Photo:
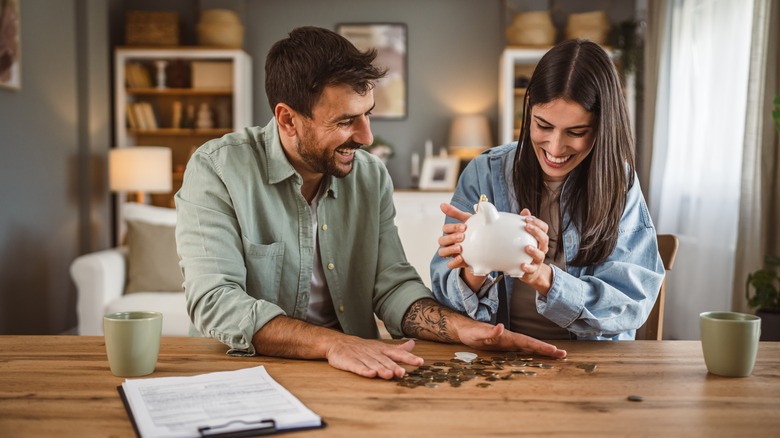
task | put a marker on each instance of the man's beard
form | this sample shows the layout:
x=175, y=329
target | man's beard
x=323, y=161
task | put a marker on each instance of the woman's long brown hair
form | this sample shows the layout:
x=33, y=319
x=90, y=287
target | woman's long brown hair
x=580, y=71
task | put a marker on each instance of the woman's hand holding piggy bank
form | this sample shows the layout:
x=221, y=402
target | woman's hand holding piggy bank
x=496, y=241
x=490, y=240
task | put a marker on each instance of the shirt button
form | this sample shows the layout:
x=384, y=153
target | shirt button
x=331, y=266
x=324, y=227
x=341, y=309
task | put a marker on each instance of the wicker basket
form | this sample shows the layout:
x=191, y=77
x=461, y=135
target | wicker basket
x=533, y=28
x=220, y=28
x=151, y=28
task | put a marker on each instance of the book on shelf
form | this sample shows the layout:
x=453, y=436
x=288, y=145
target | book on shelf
x=137, y=76
x=132, y=118
x=247, y=402
x=142, y=116
x=150, y=118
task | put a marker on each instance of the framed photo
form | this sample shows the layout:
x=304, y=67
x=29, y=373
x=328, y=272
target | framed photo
x=389, y=40
x=10, y=45
x=439, y=173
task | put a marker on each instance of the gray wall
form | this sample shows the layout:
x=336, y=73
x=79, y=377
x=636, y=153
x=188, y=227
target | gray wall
x=47, y=137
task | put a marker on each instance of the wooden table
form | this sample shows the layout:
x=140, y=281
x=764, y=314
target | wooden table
x=61, y=386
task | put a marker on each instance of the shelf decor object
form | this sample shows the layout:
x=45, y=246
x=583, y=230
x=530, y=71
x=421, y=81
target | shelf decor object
x=531, y=28
x=220, y=28
x=592, y=25
x=440, y=173
x=151, y=28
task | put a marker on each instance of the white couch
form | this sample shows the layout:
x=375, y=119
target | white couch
x=101, y=276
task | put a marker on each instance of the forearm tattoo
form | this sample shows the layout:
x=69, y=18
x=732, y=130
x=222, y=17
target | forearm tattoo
x=427, y=319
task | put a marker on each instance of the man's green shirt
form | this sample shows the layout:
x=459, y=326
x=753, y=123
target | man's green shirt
x=244, y=235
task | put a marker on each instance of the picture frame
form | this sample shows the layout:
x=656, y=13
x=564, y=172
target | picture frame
x=439, y=173
x=389, y=40
x=10, y=45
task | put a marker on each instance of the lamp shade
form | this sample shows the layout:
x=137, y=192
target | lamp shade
x=469, y=135
x=143, y=169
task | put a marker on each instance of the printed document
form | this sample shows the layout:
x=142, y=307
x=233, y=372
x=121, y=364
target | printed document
x=214, y=403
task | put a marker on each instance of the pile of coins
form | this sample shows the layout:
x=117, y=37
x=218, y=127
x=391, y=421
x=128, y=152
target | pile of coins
x=457, y=371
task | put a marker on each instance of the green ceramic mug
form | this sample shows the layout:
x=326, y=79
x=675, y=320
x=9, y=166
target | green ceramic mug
x=132, y=342
x=729, y=341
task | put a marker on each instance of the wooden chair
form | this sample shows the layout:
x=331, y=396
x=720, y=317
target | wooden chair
x=652, y=329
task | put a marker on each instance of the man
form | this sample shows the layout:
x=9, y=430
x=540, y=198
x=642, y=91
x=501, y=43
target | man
x=286, y=233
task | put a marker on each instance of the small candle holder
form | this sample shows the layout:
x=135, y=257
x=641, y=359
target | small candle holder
x=161, y=65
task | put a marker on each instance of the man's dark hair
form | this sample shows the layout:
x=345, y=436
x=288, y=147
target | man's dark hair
x=298, y=68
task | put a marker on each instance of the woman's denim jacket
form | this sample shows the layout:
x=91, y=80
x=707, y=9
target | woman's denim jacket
x=605, y=301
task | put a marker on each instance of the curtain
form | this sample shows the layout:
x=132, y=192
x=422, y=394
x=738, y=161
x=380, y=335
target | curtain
x=757, y=221
x=654, y=48
x=697, y=152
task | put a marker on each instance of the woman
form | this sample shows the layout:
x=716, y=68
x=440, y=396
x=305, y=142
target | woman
x=596, y=272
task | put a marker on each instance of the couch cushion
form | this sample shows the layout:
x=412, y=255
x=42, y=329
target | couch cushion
x=176, y=322
x=152, y=261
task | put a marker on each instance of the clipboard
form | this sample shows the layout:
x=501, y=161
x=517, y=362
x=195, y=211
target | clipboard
x=265, y=427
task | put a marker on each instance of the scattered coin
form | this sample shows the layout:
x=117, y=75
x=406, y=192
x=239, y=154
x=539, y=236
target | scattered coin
x=465, y=356
x=588, y=367
x=468, y=366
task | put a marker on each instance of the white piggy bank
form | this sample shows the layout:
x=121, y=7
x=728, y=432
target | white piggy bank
x=496, y=241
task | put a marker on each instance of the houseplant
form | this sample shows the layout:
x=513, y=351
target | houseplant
x=765, y=297
x=765, y=283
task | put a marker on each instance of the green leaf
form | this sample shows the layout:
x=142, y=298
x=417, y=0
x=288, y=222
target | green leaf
x=772, y=260
x=765, y=285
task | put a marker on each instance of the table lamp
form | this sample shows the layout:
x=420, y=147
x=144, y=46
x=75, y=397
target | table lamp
x=469, y=136
x=139, y=170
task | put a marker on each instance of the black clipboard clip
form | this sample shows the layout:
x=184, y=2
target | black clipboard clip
x=265, y=427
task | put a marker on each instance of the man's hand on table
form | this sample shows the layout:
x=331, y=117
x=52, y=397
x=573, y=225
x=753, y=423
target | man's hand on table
x=288, y=337
x=370, y=358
